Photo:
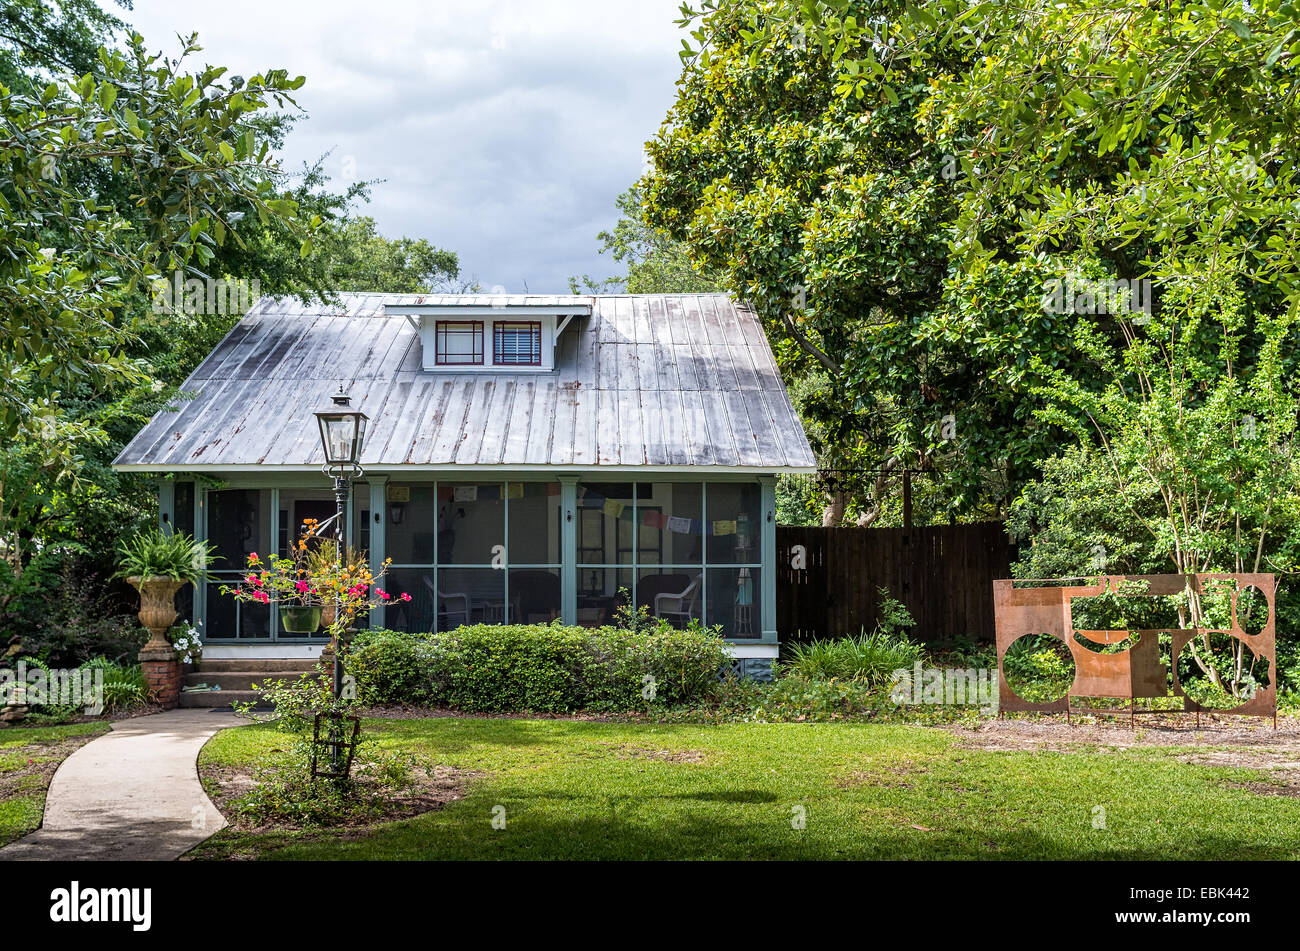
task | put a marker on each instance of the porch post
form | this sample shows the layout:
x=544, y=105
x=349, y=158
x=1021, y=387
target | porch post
x=569, y=549
x=166, y=505
x=274, y=535
x=201, y=535
x=767, y=574
x=378, y=536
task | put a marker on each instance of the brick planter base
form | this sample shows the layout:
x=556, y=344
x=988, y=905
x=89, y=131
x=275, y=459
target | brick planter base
x=162, y=672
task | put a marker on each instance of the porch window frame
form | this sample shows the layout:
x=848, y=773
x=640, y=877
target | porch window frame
x=440, y=331
x=764, y=604
x=435, y=567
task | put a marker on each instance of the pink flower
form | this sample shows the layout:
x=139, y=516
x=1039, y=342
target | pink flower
x=382, y=593
x=261, y=596
x=302, y=586
x=253, y=580
x=405, y=596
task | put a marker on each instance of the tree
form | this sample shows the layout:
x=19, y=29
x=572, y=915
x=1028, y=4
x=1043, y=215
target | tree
x=81, y=253
x=360, y=259
x=831, y=215
x=656, y=263
x=897, y=185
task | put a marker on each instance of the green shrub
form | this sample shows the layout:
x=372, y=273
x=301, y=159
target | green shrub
x=124, y=685
x=541, y=668
x=869, y=657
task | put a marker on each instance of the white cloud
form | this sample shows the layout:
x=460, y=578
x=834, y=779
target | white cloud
x=503, y=129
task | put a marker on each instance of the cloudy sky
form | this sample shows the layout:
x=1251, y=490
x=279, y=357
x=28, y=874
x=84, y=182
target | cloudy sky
x=502, y=129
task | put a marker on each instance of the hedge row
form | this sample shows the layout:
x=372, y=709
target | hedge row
x=539, y=668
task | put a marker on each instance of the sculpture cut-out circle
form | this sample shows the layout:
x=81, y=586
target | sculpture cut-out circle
x=1038, y=668
x=1223, y=676
x=1252, y=610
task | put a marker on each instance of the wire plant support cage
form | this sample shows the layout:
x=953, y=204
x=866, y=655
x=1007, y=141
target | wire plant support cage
x=339, y=745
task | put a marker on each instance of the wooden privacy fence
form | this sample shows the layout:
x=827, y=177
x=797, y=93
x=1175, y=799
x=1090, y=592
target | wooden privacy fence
x=828, y=578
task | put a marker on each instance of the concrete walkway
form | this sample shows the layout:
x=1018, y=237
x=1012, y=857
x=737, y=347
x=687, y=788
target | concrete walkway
x=133, y=793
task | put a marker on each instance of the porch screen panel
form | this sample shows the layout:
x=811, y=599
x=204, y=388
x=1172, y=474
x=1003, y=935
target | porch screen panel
x=534, y=528
x=411, y=534
x=686, y=552
x=734, y=540
x=605, y=559
x=238, y=526
x=297, y=506
x=473, y=553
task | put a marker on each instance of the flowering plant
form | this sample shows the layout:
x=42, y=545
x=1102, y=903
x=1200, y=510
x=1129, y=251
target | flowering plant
x=186, y=643
x=316, y=578
x=284, y=580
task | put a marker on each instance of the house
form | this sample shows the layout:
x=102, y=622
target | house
x=527, y=459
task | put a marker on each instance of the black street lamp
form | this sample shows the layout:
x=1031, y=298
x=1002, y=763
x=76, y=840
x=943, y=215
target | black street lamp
x=342, y=432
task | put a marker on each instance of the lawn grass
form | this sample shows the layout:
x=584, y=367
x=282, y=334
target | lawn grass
x=584, y=790
x=28, y=759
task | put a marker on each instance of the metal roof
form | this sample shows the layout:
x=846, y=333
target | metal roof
x=651, y=381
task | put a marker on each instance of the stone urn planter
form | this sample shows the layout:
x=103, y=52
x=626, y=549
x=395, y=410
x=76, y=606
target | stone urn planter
x=162, y=671
x=157, y=607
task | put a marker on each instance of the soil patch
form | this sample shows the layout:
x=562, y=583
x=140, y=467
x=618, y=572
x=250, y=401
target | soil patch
x=42, y=760
x=429, y=790
x=664, y=756
x=1245, y=739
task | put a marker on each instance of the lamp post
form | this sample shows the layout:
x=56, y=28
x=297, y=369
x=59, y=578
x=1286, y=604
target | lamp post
x=342, y=432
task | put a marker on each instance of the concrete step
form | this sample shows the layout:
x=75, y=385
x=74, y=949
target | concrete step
x=217, y=698
x=238, y=679
x=256, y=664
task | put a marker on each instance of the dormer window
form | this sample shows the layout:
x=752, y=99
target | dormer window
x=458, y=343
x=514, y=334
x=517, y=343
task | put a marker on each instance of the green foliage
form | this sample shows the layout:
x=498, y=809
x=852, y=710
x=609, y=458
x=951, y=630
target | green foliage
x=656, y=263
x=184, y=142
x=869, y=657
x=285, y=794
x=895, y=185
x=1039, y=668
x=124, y=686
x=361, y=259
x=1068, y=525
x=543, y=668
x=173, y=555
x=830, y=214
x=67, y=613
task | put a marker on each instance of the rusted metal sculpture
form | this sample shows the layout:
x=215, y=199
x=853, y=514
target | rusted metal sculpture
x=1044, y=607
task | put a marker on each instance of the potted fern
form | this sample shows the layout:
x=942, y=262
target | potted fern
x=158, y=564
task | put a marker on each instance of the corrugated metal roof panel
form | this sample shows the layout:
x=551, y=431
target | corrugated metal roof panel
x=647, y=381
